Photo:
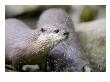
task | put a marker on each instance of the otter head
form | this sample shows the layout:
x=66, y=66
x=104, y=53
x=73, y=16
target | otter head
x=53, y=35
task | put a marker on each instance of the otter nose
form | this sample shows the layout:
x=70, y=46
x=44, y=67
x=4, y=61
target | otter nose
x=66, y=33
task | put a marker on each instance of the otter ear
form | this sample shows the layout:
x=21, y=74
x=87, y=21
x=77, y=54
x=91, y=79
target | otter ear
x=42, y=30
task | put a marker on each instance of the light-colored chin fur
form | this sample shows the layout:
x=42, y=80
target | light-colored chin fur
x=48, y=40
x=43, y=44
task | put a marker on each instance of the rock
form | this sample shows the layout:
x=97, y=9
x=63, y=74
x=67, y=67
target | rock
x=93, y=40
x=31, y=68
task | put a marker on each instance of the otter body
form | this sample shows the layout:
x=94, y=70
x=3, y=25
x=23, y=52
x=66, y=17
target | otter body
x=66, y=56
x=26, y=46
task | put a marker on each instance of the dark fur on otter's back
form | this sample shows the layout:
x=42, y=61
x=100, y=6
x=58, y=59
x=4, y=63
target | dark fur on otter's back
x=67, y=56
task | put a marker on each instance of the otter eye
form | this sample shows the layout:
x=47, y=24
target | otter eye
x=56, y=31
x=42, y=30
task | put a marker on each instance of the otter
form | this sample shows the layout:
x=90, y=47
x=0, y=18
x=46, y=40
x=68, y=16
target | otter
x=66, y=56
x=26, y=46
